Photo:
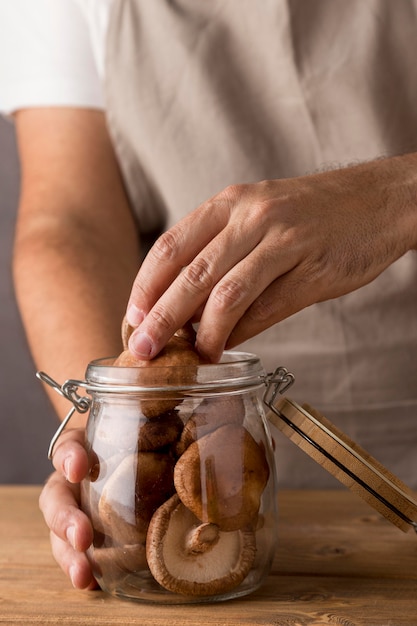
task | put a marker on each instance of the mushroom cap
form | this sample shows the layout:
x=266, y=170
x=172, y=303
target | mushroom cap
x=114, y=561
x=160, y=432
x=175, y=366
x=178, y=352
x=221, y=477
x=186, y=332
x=132, y=493
x=211, y=413
x=210, y=563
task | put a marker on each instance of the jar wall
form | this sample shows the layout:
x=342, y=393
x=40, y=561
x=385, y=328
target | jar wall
x=181, y=494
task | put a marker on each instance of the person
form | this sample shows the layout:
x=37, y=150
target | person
x=250, y=167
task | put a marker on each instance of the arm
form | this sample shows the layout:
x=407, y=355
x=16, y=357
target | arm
x=76, y=254
x=76, y=250
x=256, y=254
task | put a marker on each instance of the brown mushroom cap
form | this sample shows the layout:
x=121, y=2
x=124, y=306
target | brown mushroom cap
x=189, y=558
x=221, y=477
x=132, y=493
x=160, y=432
x=186, y=332
x=116, y=432
x=176, y=366
x=115, y=561
x=177, y=352
x=211, y=413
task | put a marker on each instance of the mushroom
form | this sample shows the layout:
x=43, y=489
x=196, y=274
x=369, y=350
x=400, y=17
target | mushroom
x=186, y=332
x=210, y=414
x=132, y=493
x=117, y=560
x=161, y=432
x=116, y=431
x=176, y=365
x=221, y=477
x=191, y=558
x=126, y=331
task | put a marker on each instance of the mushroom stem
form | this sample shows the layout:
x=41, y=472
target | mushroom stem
x=201, y=538
x=215, y=571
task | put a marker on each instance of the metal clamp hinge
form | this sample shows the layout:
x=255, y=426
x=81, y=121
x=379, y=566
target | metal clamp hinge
x=277, y=383
x=68, y=390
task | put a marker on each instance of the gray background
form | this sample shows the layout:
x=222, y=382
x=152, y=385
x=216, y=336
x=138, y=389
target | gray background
x=27, y=420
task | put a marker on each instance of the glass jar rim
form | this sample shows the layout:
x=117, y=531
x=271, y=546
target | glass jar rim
x=235, y=370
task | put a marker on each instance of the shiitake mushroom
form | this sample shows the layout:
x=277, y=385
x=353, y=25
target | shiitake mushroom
x=213, y=412
x=175, y=366
x=221, y=477
x=191, y=558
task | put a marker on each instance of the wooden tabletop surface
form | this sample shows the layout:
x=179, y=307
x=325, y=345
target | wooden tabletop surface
x=337, y=563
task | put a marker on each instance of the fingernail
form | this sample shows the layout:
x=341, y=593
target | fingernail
x=134, y=315
x=67, y=467
x=73, y=574
x=140, y=344
x=71, y=535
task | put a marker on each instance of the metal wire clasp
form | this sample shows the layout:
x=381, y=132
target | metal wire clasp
x=277, y=383
x=68, y=390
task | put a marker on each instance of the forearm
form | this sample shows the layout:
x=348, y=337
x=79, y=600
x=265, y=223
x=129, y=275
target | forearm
x=72, y=292
x=76, y=254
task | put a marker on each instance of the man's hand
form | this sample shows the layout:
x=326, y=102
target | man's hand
x=255, y=254
x=70, y=529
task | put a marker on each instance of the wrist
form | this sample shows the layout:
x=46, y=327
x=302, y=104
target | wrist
x=400, y=180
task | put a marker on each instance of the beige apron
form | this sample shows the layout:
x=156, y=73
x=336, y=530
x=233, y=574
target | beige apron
x=202, y=94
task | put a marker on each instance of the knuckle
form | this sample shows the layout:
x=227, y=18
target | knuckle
x=59, y=511
x=263, y=211
x=45, y=493
x=198, y=276
x=261, y=311
x=41, y=500
x=229, y=294
x=139, y=290
x=162, y=317
x=60, y=519
x=232, y=193
x=168, y=246
x=267, y=186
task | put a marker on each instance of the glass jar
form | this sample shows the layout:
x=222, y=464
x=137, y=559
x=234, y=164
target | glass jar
x=181, y=490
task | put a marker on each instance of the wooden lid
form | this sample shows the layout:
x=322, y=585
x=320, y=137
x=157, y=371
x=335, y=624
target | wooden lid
x=346, y=461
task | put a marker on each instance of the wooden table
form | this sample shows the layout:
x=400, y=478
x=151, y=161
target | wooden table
x=338, y=563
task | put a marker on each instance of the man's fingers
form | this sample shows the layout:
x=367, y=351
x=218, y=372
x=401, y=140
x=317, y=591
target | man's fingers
x=237, y=292
x=191, y=289
x=70, y=529
x=70, y=457
x=173, y=251
x=285, y=296
x=59, y=503
x=74, y=564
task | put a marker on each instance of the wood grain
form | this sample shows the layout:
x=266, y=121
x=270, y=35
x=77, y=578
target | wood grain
x=347, y=461
x=338, y=562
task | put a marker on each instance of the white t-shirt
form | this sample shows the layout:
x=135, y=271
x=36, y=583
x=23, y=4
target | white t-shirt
x=52, y=53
